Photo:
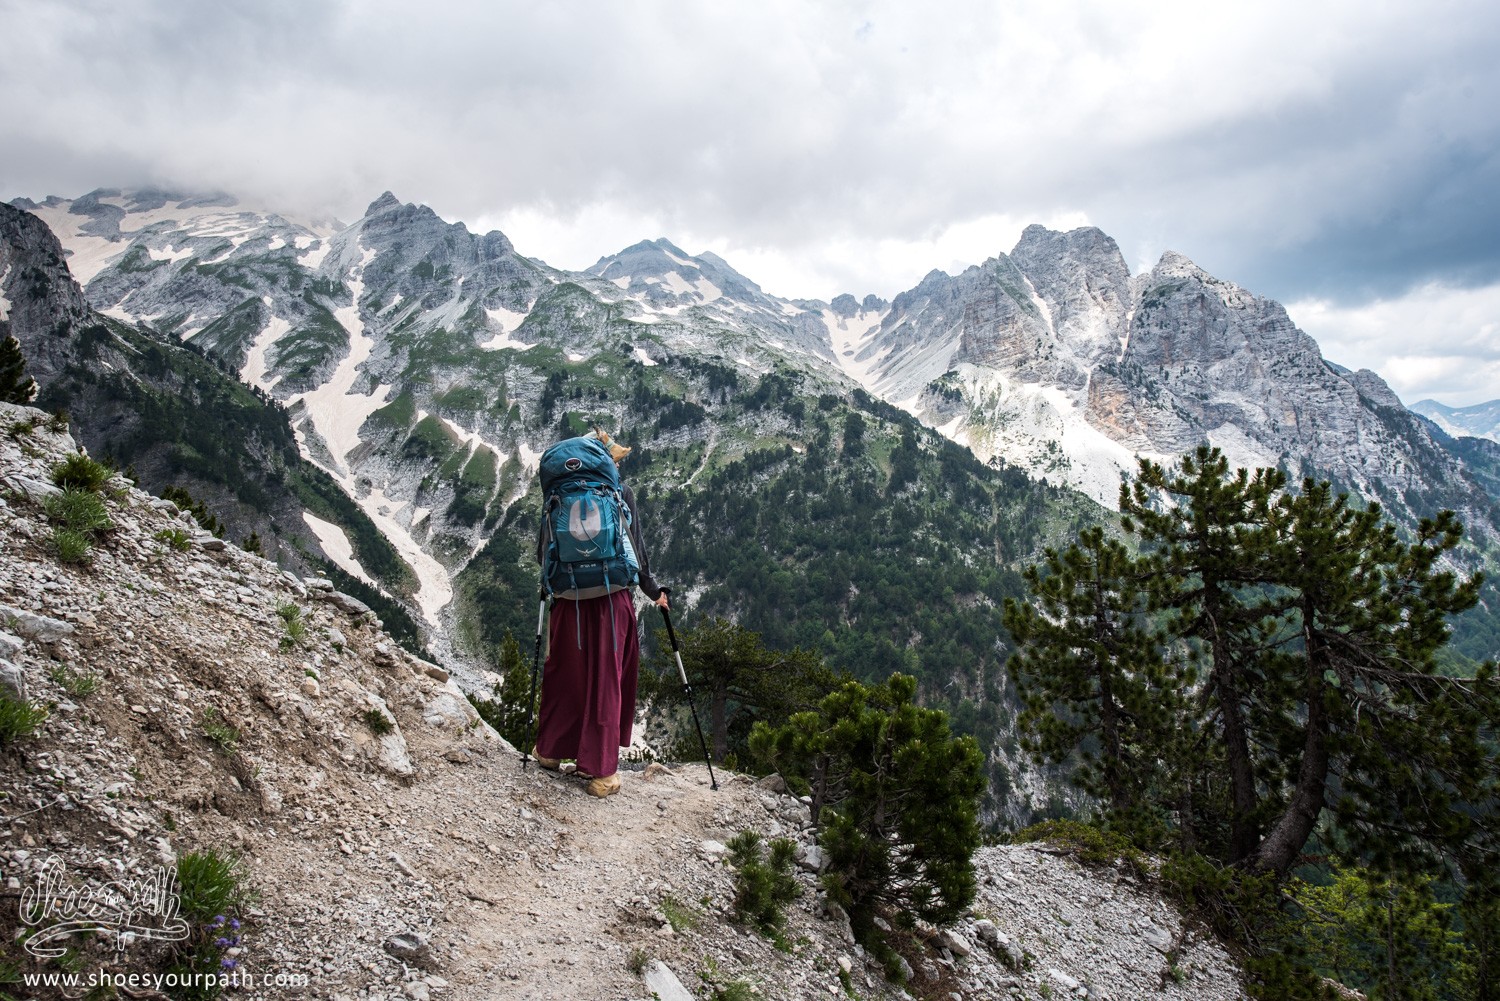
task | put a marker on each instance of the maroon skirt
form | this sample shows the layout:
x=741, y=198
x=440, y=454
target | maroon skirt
x=589, y=682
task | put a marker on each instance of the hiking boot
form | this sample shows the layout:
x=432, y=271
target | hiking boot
x=552, y=764
x=606, y=786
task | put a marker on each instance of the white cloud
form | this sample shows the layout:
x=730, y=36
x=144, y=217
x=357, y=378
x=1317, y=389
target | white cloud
x=1437, y=342
x=1293, y=148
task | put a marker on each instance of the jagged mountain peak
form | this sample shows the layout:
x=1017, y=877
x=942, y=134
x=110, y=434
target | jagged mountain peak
x=662, y=276
x=1174, y=264
x=1037, y=239
x=384, y=203
x=846, y=306
x=648, y=257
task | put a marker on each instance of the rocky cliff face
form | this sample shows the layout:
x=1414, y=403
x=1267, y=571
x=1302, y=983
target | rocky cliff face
x=416, y=859
x=170, y=413
x=1055, y=358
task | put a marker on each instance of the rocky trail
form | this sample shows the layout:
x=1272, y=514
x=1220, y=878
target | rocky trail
x=395, y=847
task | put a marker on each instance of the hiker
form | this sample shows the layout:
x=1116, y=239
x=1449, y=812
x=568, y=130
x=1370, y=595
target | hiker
x=593, y=650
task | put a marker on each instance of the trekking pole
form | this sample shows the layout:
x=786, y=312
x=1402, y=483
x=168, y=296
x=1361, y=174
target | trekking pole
x=536, y=663
x=682, y=672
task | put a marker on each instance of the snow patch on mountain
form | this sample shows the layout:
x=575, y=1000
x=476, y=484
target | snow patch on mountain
x=675, y=282
x=336, y=546
x=642, y=357
x=87, y=254
x=170, y=254
x=507, y=319
x=849, y=336
x=530, y=458
x=500, y=341
x=4, y=302
x=336, y=411
x=257, y=365
x=434, y=588
x=316, y=251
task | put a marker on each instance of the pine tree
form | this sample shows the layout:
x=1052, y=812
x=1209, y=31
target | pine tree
x=1393, y=747
x=1321, y=709
x=1088, y=662
x=15, y=385
x=1207, y=551
x=509, y=706
x=895, y=797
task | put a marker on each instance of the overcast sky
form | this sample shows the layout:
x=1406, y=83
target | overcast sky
x=1339, y=157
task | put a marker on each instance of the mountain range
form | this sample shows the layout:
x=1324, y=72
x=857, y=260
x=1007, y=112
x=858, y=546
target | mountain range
x=1481, y=420
x=861, y=476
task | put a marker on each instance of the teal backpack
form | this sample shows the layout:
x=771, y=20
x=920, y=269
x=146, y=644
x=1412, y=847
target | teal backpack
x=585, y=522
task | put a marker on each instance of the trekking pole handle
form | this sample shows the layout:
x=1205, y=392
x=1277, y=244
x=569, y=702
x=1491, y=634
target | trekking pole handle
x=541, y=614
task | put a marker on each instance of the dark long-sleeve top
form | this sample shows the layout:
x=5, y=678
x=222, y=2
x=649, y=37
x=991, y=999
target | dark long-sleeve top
x=644, y=581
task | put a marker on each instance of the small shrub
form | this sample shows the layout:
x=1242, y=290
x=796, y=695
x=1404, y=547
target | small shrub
x=57, y=423
x=79, y=510
x=637, y=960
x=379, y=723
x=1091, y=846
x=196, y=508
x=763, y=885
x=296, y=628
x=736, y=990
x=21, y=428
x=76, y=683
x=18, y=718
x=72, y=546
x=212, y=893
x=225, y=738
x=174, y=538
x=1246, y=909
x=79, y=472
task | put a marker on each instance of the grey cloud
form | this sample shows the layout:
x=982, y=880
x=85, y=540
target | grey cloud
x=789, y=125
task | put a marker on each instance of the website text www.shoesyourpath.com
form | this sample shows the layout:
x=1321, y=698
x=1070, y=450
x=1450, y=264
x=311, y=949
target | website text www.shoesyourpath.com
x=229, y=980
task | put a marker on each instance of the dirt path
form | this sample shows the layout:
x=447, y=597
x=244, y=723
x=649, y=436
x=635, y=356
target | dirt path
x=522, y=884
x=582, y=882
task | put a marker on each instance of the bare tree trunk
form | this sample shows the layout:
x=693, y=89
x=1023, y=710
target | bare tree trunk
x=1283, y=845
x=1244, y=836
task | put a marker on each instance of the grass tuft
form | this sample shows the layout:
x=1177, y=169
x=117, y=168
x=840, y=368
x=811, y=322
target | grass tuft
x=76, y=683
x=225, y=738
x=18, y=718
x=79, y=472
x=296, y=627
x=174, y=538
x=78, y=509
